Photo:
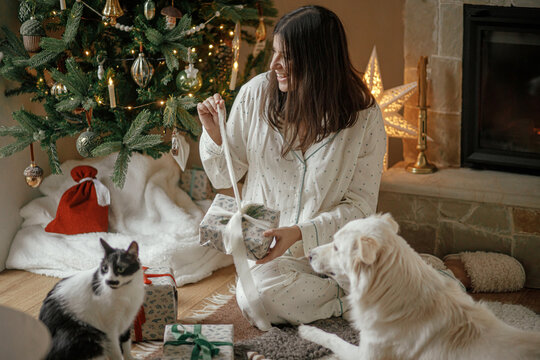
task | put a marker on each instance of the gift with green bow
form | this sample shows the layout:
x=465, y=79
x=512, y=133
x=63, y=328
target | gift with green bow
x=194, y=342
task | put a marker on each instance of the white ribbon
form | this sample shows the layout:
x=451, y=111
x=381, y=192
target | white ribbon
x=103, y=194
x=234, y=242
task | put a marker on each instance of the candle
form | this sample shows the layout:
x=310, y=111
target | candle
x=234, y=74
x=422, y=81
x=62, y=4
x=112, y=97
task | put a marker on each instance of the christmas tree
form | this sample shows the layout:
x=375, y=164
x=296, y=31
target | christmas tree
x=119, y=76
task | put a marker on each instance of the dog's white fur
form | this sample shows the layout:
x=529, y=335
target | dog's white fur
x=405, y=309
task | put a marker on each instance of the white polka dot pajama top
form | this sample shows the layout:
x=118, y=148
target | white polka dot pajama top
x=333, y=182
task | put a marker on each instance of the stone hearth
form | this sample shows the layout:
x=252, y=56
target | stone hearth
x=456, y=209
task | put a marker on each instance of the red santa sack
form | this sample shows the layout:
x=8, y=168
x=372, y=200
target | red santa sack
x=83, y=208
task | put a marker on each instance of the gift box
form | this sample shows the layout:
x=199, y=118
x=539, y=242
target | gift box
x=195, y=182
x=160, y=306
x=214, y=223
x=198, y=342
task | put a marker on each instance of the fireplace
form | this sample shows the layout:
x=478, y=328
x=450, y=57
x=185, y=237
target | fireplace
x=501, y=89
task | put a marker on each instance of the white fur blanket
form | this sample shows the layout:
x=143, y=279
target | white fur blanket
x=151, y=209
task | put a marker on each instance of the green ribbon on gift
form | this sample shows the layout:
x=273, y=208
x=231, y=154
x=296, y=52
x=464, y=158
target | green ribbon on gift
x=202, y=347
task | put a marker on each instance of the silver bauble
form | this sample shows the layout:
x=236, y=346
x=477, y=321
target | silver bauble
x=142, y=70
x=86, y=142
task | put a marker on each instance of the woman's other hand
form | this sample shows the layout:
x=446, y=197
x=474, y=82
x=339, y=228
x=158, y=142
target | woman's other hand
x=208, y=114
x=285, y=238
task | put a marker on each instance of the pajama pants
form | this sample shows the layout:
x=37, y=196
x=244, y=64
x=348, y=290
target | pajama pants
x=292, y=292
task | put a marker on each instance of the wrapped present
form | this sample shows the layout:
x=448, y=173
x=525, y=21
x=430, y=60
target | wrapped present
x=216, y=220
x=160, y=306
x=198, y=342
x=195, y=182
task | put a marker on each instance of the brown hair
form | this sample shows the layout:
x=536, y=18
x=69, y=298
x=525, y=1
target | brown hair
x=325, y=91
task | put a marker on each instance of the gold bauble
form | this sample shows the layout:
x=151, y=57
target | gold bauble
x=260, y=33
x=113, y=10
x=58, y=89
x=33, y=175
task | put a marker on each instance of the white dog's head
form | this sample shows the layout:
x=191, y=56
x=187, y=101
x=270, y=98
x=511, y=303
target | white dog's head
x=355, y=247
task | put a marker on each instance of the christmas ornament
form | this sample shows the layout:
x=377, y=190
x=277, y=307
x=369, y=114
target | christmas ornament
x=171, y=14
x=236, y=51
x=112, y=10
x=189, y=79
x=142, y=70
x=149, y=9
x=58, y=89
x=33, y=174
x=260, y=33
x=100, y=69
x=179, y=149
x=86, y=142
x=31, y=31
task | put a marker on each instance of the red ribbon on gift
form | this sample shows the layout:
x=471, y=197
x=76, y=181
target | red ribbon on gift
x=137, y=325
x=146, y=276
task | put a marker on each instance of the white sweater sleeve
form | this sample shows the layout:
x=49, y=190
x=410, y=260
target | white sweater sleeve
x=361, y=197
x=237, y=128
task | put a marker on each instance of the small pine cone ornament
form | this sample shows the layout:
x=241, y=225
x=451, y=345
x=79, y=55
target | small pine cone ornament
x=31, y=31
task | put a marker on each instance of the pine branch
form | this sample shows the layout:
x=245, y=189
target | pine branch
x=120, y=168
x=52, y=45
x=136, y=127
x=13, y=131
x=170, y=58
x=28, y=121
x=72, y=25
x=106, y=148
x=144, y=141
x=154, y=36
x=42, y=58
x=178, y=33
x=14, y=45
x=19, y=145
x=68, y=104
x=54, y=162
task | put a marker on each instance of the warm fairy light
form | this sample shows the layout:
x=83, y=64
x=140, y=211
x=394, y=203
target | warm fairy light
x=211, y=80
x=220, y=40
x=231, y=33
x=200, y=60
x=130, y=107
x=105, y=23
x=235, y=65
x=133, y=51
x=40, y=79
x=209, y=53
x=54, y=12
x=190, y=95
x=174, y=51
x=193, y=50
x=210, y=46
x=87, y=52
x=221, y=27
x=161, y=102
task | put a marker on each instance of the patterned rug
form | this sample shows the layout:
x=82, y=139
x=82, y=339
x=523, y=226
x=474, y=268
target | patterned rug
x=282, y=342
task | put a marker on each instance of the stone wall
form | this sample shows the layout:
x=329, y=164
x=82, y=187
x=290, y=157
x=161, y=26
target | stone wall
x=434, y=28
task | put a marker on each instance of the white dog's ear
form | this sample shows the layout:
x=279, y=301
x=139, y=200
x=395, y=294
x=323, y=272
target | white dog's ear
x=391, y=222
x=365, y=249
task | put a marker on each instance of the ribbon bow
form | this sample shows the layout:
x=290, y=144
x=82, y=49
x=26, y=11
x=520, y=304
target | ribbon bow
x=202, y=347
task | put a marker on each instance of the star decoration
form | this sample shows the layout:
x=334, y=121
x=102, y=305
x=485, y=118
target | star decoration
x=390, y=101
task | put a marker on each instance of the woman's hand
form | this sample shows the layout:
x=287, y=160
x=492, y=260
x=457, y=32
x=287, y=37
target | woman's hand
x=285, y=238
x=208, y=114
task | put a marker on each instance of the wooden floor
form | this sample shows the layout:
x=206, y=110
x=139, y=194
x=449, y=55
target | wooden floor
x=25, y=291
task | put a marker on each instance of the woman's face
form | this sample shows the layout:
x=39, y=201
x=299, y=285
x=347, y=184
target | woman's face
x=278, y=64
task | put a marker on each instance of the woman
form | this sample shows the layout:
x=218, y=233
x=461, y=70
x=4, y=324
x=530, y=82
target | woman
x=309, y=140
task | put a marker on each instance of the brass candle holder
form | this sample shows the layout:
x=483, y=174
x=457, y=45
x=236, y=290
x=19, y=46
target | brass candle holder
x=422, y=165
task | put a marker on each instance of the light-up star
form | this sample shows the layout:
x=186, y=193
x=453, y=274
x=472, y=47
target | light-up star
x=390, y=101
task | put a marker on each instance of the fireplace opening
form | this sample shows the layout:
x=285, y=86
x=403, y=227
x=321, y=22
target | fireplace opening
x=501, y=89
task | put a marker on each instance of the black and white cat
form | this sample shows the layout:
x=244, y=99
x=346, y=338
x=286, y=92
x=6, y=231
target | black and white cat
x=90, y=314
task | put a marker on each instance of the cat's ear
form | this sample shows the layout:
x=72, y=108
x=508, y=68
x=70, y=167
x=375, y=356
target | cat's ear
x=133, y=249
x=108, y=249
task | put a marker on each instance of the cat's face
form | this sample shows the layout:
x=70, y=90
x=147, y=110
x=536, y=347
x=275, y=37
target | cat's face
x=118, y=267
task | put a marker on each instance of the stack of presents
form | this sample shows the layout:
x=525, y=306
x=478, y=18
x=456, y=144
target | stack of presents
x=157, y=319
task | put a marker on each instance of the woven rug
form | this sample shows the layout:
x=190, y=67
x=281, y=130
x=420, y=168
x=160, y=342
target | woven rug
x=283, y=342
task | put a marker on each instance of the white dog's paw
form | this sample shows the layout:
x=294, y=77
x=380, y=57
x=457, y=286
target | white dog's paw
x=310, y=333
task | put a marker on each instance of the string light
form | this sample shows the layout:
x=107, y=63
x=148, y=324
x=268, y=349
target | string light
x=190, y=95
x=133, y=51
x=192, y=50
x=161, y=102
x=87, y=53
x=174, y=51
x=231, y=33
x=130, y=107
x=209, y=53
x=221, y=27
x=210, y=46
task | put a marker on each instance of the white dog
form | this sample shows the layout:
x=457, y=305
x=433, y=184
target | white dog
x=405, y=309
